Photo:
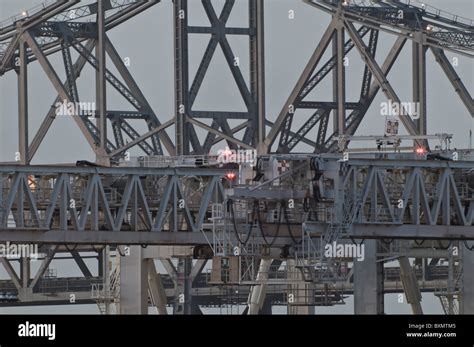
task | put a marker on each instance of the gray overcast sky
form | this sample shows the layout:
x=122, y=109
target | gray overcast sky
x=148, y=41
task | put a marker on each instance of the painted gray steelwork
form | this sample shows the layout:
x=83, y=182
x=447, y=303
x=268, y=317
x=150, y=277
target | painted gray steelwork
x=101, y=198
x=384, y=199
x=62, y=27
x=407, y=22
x=187, y=117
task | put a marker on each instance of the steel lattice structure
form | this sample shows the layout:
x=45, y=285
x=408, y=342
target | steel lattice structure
x=409, y=23
x=183, y=206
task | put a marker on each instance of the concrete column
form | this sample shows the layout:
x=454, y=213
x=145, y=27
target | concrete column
x=410, y=285
x=157, y=291
x=25, y=292
x=133, y=283
x=259, y=291
x=300, y=295
x=466, y=298
x=368, y=282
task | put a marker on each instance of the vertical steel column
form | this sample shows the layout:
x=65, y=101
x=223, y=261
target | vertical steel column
x=19, y=216
x=101, y=95
x=423, y=121
x=257, y=68
x=106, y=274
x=341, y=82
x=334, y=82
x=183, y=299
x=419, y=82
x=416, y=75
x=23, y=104
x=181, y=74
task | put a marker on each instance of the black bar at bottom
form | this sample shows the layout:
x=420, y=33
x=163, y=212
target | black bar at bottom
x=334, y=330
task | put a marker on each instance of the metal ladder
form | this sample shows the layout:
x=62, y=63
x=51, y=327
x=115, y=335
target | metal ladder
x=443, y=298
x=447, y=297
x=110, y=294
x=310, y=255
x=220, y=238
x=350, y=209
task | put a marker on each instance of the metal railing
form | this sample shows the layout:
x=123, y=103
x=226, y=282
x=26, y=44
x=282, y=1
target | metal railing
x=171, y=161
x=26, y=13
x=439, y=13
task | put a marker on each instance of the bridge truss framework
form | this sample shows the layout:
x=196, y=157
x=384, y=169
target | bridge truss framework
x=78, y=210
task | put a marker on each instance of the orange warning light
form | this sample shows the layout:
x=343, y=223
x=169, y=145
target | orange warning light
x=231, y=176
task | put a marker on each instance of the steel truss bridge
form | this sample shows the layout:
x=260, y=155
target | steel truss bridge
x=257, y=241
